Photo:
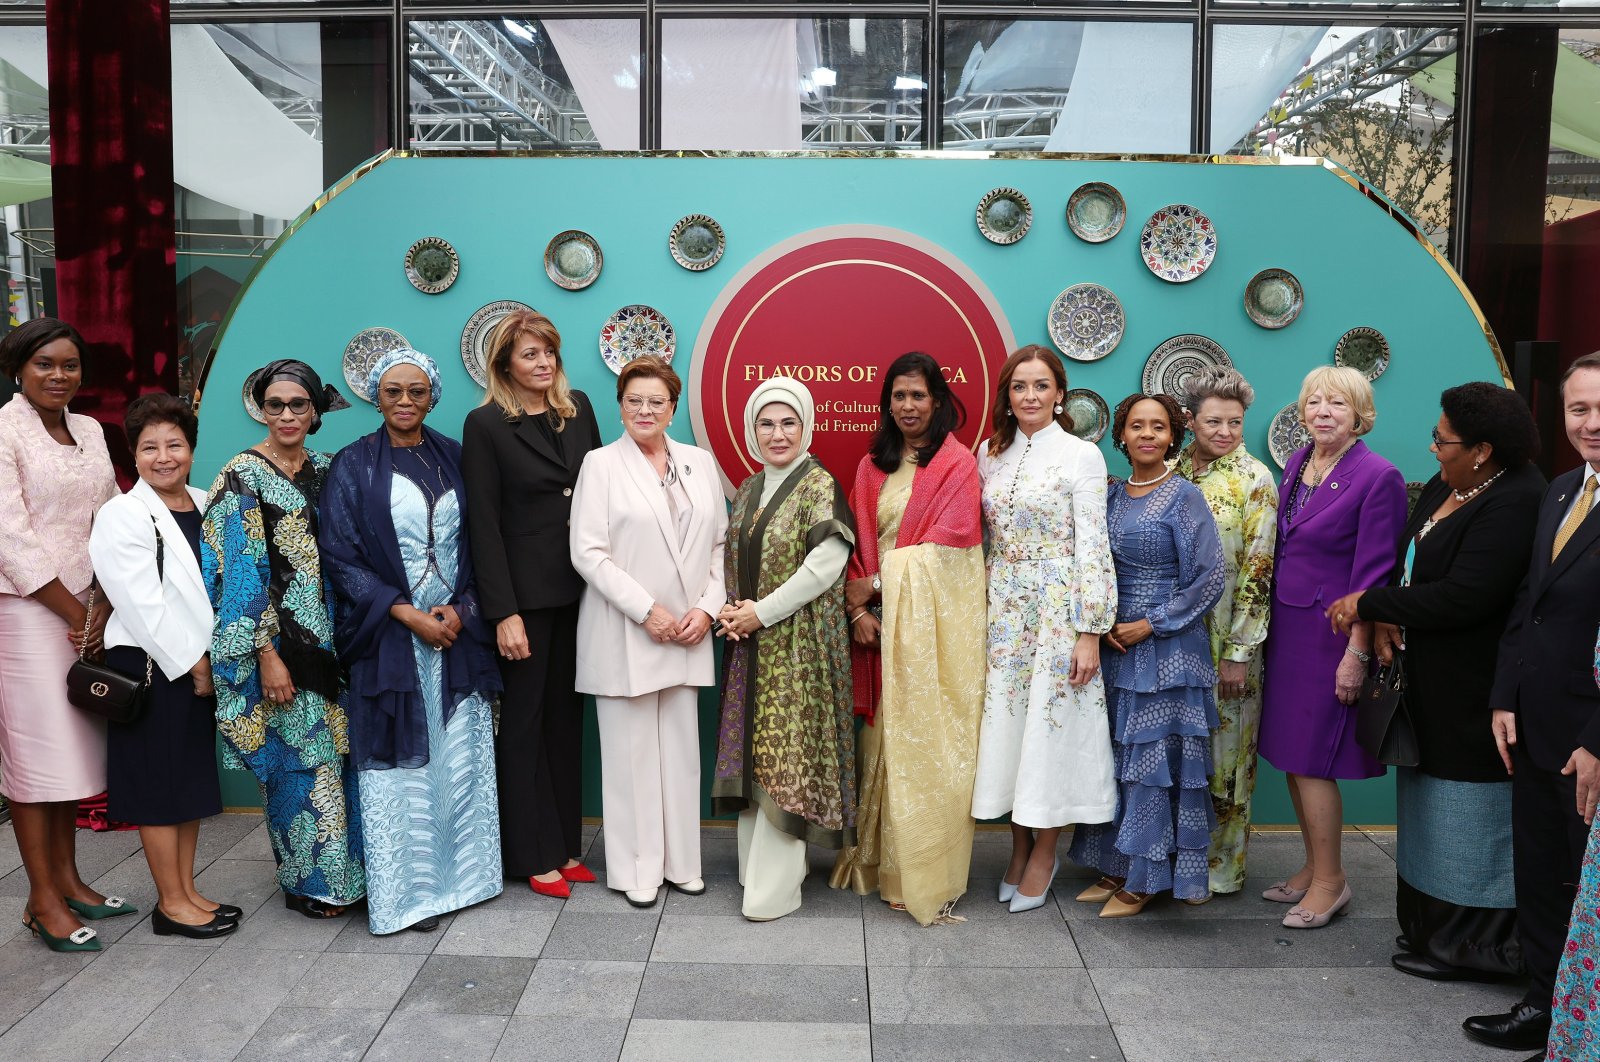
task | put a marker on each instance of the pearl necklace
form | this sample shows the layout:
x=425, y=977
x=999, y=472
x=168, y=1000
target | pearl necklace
x=1475, y=491
x=1149, y=482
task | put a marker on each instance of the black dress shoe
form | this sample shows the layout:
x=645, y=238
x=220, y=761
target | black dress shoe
x=1403, y=942
x=1422, y=966
x=166, y=927
x=228, y=911
x=1522, y=1028
x=425, y=925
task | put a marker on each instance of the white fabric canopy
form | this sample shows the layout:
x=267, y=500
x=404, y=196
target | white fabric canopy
x=1130, y=90
x=730, y=84
x=1251, y=66
x=601, y=56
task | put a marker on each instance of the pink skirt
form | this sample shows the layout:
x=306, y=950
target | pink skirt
x=49, y=750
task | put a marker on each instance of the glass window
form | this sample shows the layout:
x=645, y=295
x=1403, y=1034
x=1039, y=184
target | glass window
x=1068, y=85
x=771, y=84
x=1379, y=101
x=27, y=235
x=524, y=84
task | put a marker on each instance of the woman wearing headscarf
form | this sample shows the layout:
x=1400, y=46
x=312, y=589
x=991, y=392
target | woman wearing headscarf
x=786, y=746
x=419, y=653
x=919, y=670
x=280, y=707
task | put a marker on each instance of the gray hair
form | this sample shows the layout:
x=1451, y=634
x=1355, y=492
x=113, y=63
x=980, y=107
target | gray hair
x=1220, y=383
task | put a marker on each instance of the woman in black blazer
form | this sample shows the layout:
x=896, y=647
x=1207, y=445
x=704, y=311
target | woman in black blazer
x=1464, y=551
x=520, y=455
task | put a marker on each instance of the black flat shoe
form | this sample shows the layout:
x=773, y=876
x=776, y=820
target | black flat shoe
x=1422, y=966
x=166, y=927
x=310, y=907
x=425, y=925
x=1523, y=1028
x=1403, y=942
x=228, y=911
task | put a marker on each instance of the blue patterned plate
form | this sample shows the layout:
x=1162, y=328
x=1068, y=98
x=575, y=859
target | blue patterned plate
x=1086, y=322
x=1286, y=434
x=1178, y=243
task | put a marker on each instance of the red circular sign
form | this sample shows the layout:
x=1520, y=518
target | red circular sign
x=832, y=308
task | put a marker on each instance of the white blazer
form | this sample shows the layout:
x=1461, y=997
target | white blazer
x=625, y=547
x=169, y=618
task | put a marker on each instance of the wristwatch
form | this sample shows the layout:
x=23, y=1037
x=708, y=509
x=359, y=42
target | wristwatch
x=877, y=583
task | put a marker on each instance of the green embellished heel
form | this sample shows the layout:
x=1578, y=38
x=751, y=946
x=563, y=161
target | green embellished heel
x=81, y=939
x=114, y=905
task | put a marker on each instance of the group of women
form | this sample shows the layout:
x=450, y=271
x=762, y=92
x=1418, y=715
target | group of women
x=956, y=638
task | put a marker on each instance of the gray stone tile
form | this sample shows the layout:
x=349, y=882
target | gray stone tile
x=343, y=981
x=698, y=991
x=497, y=929
x=932, y=995
x=734, y=1041
x=14, y=884
x=785, y=942
x=622, y=937
x=10, y=854
x=1277, y=855
x=582, y=988
x=220, y=833
x=421, y=1037
x=294, y=1034
x=253, y=845
x=979, y=904
x=11, y=908
x=467, y=984
x=245, y=883
x=995, y=1043
x=70, y=1007
x=1036, y=939
x=562, y=1039
x=1306, y=1040
x=725, y=896
x=357, y=937
x=592, y=898
x=1240, y=943
x=1373, y=898
x=218, y=1008
x=273, y=927
x=99, y=852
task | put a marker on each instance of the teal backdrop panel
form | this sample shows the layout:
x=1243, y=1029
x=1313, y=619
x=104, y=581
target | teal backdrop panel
x=340, y=270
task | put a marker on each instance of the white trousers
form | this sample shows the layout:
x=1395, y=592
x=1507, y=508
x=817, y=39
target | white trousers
x=650, y=785
x=772, y=867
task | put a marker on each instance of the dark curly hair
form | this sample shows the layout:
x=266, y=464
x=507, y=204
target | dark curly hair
x=148, y=410
x=948, y=413
x=1488, y=413
x=1175, y=420
x=24, y=341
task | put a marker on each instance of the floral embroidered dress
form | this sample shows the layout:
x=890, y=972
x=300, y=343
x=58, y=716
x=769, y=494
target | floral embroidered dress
x=1044, y=750
x=1575, y=1023
x=1163, y=693
x=1244, y=502
x=262, y=569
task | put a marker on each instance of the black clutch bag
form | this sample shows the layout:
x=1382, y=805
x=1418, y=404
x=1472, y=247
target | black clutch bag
x=1383, y=726
x=104, y=691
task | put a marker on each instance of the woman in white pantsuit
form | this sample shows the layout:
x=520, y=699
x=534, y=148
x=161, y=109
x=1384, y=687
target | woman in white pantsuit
x=648, y=524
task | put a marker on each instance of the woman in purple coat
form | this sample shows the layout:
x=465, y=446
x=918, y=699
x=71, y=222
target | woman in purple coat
x=1340, y=510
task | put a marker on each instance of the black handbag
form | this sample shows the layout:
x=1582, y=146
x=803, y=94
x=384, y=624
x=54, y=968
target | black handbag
x=1383, y=726
x=103, y=690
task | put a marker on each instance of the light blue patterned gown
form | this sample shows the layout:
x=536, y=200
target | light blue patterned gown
x=432, y=832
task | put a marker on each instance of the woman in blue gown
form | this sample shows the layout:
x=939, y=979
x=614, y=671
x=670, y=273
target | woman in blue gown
x=1158, y=673
x=421, y=666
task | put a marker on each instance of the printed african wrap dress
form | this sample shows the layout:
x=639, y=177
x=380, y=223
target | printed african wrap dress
x=1244, y=502
x=1044, y=750
x=1575, y=1010
x=264, y=574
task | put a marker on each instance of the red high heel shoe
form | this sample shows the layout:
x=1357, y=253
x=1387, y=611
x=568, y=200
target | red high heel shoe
x=577, y=873
x=557, y=888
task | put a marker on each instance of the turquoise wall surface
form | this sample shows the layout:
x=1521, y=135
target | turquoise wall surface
x=341, y=270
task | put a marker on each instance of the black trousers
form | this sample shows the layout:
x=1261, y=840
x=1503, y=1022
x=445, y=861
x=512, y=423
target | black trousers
x=539, y=751
x=1547, y=841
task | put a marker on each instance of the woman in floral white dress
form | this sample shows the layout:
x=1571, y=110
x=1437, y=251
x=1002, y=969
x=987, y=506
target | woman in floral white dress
x=1044, y=751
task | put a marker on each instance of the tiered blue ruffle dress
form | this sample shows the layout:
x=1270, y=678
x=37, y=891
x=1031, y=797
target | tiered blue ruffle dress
x=1163, y=707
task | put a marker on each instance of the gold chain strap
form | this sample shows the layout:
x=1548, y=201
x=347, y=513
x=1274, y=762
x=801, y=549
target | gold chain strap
x=88, y=618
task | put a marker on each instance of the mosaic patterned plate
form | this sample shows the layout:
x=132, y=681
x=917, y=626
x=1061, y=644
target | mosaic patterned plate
x=1286, y=434
x=432, y=265
x=363, y=352
x=475, y=337
x=572, y=259
x=633, y=332
x=1273, y=298
x=1178, y=243
x=1091, y=417
x=1096, y=212
x=1086, y=322
x=696, y=242
x=1004, y=215
x=1174, y=363
x=1364, y=350
x=250, y=406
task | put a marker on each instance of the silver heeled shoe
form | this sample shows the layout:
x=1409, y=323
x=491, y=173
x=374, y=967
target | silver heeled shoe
x=1023, y=902
x=1006, y=891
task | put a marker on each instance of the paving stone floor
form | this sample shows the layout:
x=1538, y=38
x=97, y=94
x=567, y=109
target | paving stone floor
x=527, y=977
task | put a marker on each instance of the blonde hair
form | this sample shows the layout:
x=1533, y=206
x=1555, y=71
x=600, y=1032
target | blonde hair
x=1348, y=384
x=503, y=343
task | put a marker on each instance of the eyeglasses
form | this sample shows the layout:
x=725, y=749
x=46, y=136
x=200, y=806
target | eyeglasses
x=273, y=407
x=393, y=393
x=788, y=426
x=1439, y=440
x=634, y=403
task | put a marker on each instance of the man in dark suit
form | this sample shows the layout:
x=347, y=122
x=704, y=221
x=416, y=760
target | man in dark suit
x=1547, y=716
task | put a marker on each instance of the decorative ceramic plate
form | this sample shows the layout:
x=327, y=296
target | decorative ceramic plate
x=432, y=265
x=1178, y=243
x=1095, y=212
x=1091, y=417
x=250, y=406
x=1004, y=215
x=1364, y=350
x=633, y=332
x=475, y=337
x=1286, y=434
x=572, y=259
x=1413, y=495
x=363, y=352
x=1174, y=363
x=696, y=242
x=1273, y=298
x=1086, y=322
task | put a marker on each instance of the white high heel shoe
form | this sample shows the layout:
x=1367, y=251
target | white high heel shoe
x=1006, y=891
x=1023, y=902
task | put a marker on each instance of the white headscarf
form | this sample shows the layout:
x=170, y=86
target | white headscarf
x=791, y=393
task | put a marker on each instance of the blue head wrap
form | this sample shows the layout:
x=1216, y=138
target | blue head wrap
x=404, y=356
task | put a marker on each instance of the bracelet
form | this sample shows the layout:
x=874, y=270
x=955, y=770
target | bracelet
x=1365, y=658
x=858, y=615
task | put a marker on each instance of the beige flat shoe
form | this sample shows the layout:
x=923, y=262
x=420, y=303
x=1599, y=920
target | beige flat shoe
x=1126, y=904
x=1099, y=892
